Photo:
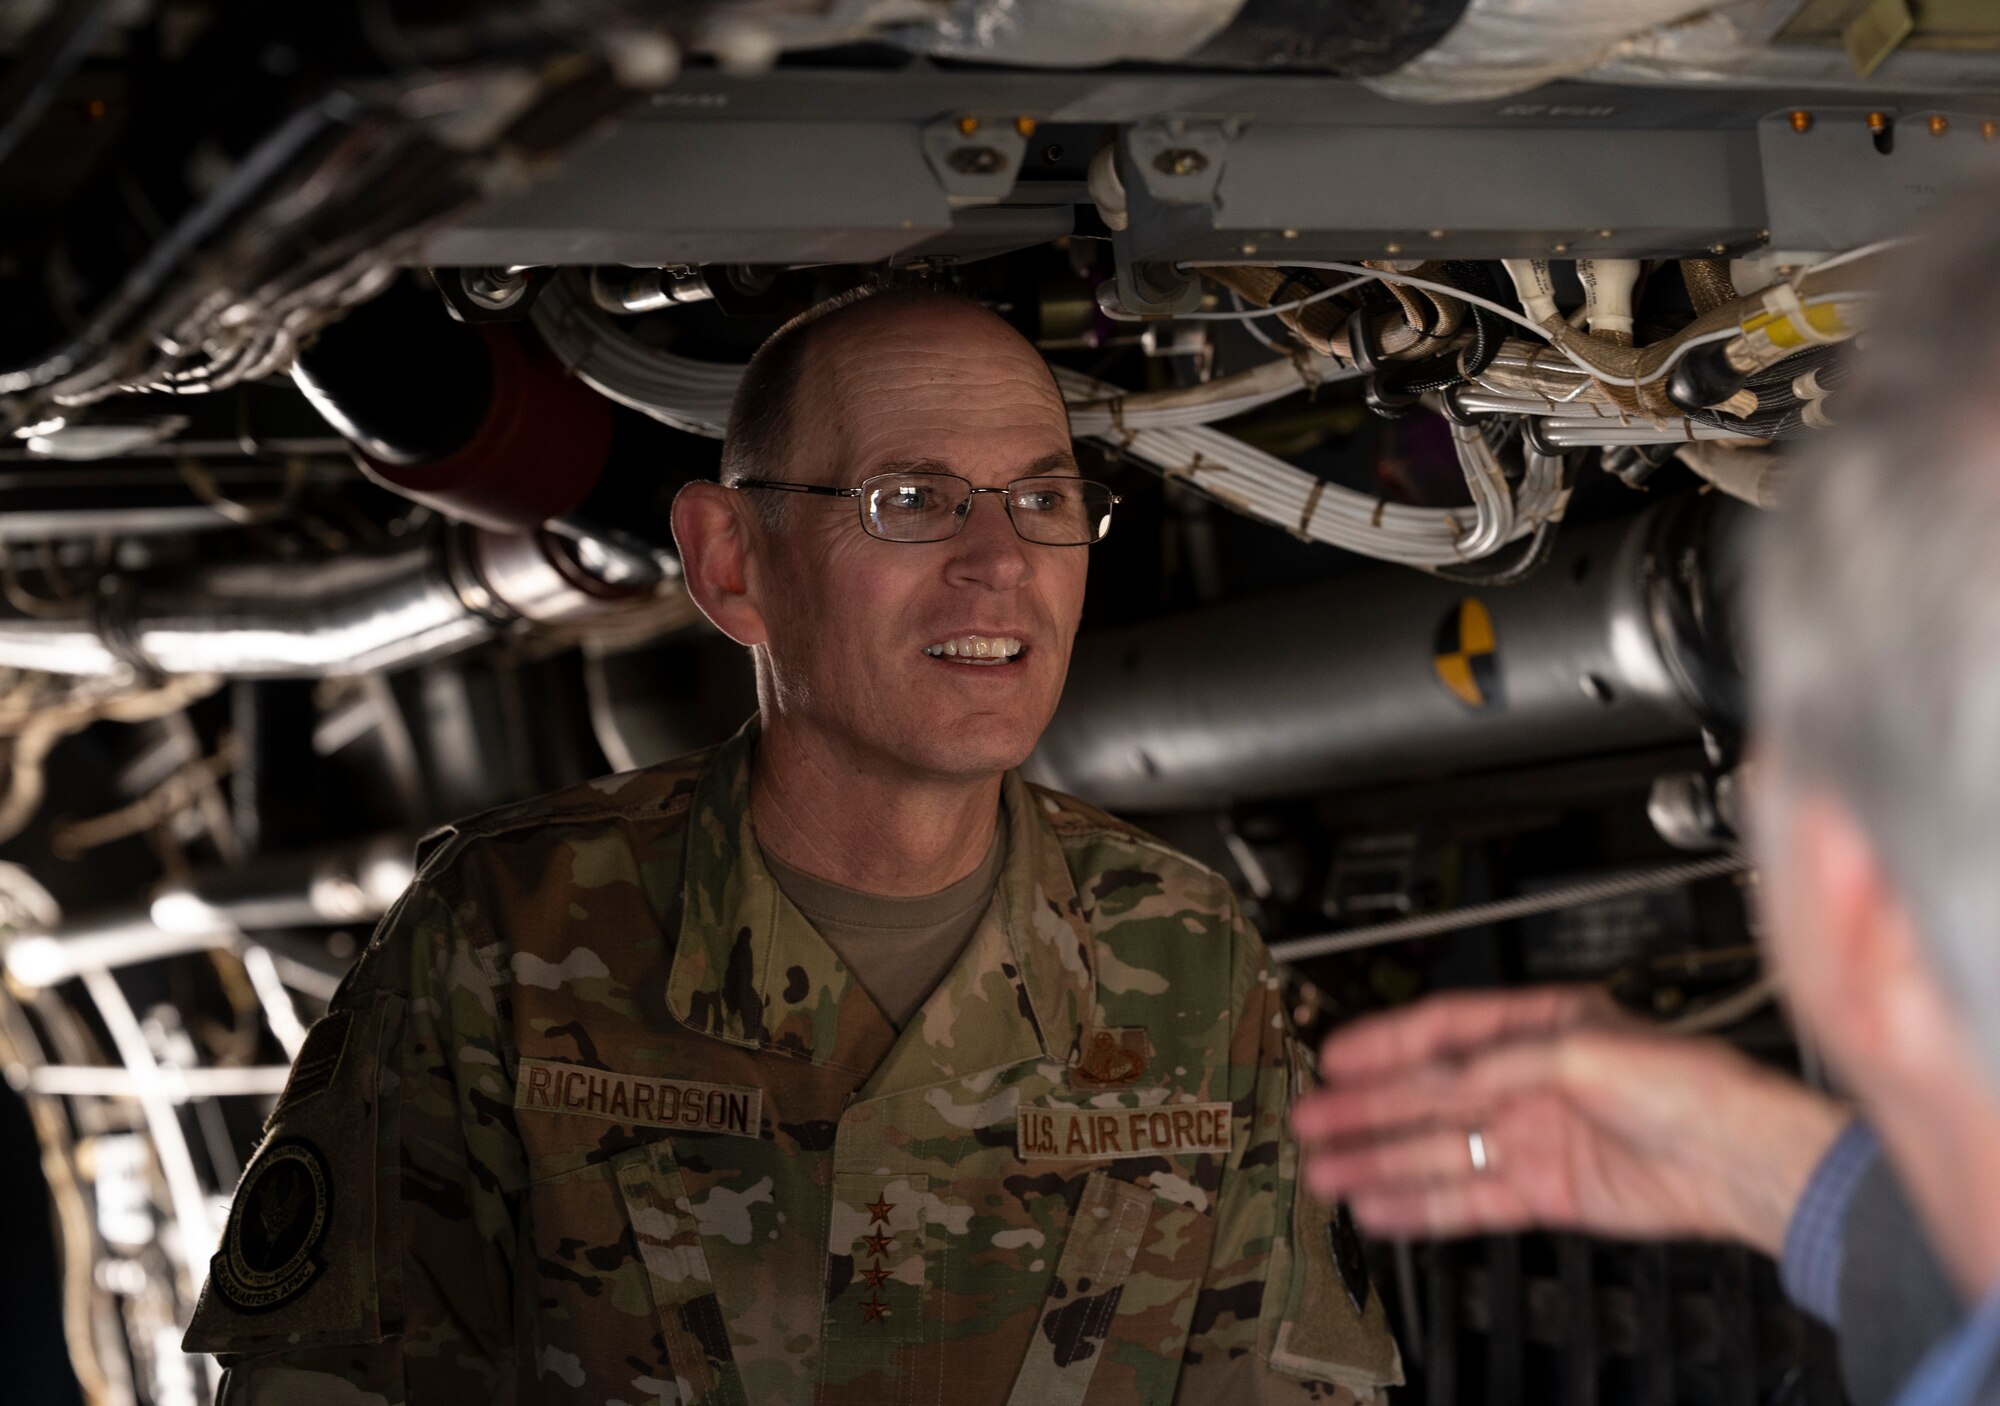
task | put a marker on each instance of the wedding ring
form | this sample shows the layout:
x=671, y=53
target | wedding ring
x=1475, y=1144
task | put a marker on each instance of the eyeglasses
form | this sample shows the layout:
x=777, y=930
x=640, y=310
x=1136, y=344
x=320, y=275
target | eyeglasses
x=1056, y=510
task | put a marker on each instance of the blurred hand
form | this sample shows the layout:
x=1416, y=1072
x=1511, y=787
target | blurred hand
x=1591, y=1119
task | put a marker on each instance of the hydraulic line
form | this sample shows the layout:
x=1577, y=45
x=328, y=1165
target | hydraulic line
x=1577, y=895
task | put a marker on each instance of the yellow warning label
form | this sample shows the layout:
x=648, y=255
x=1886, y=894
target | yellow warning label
x=1465, y=656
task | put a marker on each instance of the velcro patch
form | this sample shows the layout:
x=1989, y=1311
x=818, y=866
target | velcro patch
x=639, y=1100
x=318, y=1061
x=1088, y=1134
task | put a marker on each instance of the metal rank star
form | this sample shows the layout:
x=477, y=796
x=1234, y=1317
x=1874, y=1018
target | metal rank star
x=878, y=1243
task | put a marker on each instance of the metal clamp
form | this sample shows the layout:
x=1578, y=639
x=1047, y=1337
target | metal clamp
x=976, y=161
x=1178, y=162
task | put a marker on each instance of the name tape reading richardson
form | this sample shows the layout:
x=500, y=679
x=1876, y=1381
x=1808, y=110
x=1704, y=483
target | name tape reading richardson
x=1122, y=1132
x=639, y=1099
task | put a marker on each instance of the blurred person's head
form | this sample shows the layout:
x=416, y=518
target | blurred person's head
x=1875, y=674
x=865, y=648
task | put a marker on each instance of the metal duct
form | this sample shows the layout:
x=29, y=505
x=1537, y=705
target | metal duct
x=347, y=615
x=1390, y=675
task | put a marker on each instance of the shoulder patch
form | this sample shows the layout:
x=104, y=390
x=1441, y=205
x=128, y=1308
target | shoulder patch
x=277, y=1223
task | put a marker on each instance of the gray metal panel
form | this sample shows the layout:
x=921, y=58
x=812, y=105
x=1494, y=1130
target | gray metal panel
x=1830, y=187
x=805, y=166
x=922, y=93
x=715, y=191
x=982, y=231
x=1486, y=192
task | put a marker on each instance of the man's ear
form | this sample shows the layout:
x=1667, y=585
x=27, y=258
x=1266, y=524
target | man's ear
x=1871, y=969
x=716, y=537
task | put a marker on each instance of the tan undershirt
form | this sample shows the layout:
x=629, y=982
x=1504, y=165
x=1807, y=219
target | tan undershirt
x=898, y=948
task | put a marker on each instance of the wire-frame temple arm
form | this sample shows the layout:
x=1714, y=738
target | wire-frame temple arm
x=783, y=487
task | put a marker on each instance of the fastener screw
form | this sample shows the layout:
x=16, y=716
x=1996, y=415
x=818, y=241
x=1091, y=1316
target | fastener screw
x=1180, y=161
x=975, y=160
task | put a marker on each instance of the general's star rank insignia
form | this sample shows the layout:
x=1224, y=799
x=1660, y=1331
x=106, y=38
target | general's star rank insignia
x=874, y=1311
x=878, y=1244
x=876, y=1277
x=878, y=1210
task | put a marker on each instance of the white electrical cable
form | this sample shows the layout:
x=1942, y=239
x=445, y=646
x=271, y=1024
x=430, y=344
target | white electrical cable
x=1834, y=261
x=1218, y=399
x=1491, y=496
x=1263, y=486
x=1167, y=429
x=1659, y=372
x=696, y=395
x=1580, y=436
x=690, y=395
x=1248, y=314
x=1250, y=324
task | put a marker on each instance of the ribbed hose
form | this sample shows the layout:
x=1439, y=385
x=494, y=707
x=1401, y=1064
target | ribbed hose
x=1322, y=325
x=1709, y=285
x=1488, y=335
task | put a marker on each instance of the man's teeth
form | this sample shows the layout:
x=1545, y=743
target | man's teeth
x=976, y=649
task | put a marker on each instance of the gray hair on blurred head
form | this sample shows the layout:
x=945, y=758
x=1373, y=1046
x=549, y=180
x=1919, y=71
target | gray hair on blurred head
x=1874, y=641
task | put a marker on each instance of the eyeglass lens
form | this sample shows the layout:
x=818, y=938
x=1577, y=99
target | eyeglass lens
x=1055, y=511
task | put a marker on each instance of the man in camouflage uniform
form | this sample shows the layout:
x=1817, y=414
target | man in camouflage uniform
x=602, y=1117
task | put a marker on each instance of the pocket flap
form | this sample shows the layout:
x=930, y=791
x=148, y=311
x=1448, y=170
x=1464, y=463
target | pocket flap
x=1075, y=1321
x=669, y=1243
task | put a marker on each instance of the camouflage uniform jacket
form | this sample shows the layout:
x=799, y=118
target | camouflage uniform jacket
x=599, y=1117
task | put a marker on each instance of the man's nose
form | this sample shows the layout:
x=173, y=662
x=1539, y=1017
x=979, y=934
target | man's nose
x=987, y=551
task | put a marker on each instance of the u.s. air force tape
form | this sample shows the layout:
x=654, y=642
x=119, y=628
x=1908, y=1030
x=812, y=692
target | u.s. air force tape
x=639, y=1099
x=1093, y=1133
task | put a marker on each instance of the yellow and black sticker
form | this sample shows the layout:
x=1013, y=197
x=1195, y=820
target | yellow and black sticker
x=1465, y=656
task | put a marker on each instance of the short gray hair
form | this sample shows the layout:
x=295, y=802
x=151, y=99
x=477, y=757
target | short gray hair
x=759, y=433
x=1875, y=607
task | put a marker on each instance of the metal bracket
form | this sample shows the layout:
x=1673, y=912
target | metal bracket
x=975, y=159
x=1148, y=289
x=1177, y=162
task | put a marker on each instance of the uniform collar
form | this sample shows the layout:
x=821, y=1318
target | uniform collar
x=750, y=970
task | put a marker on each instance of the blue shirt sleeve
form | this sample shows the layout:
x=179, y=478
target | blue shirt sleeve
x=1810, y=1265
x=1959, y=1370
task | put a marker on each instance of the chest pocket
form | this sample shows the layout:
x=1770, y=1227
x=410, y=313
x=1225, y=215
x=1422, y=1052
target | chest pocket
x=682, y=1290
x=1117, y=1313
